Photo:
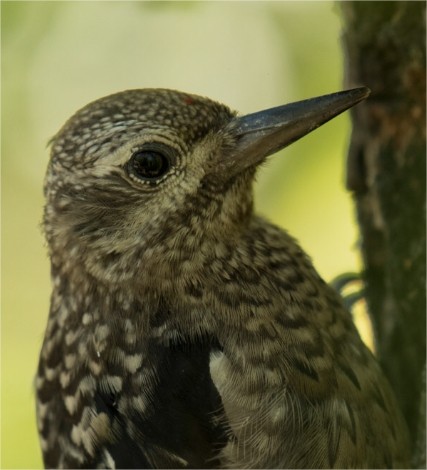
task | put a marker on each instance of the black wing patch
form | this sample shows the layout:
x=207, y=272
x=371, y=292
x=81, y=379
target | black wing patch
x=182, y=428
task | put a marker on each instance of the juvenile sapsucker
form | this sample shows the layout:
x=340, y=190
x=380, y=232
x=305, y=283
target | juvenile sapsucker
x=184, y=330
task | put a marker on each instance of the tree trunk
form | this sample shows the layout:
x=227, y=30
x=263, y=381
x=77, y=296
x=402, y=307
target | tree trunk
x=385, y=50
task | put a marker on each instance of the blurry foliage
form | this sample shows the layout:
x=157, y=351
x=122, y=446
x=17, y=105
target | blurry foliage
x=56, y=56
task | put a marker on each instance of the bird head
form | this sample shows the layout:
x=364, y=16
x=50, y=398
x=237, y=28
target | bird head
x=145, y=180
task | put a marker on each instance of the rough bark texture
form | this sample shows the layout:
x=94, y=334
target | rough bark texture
x=385, y=50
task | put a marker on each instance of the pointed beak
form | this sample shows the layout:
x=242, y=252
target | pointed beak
x=260, y=134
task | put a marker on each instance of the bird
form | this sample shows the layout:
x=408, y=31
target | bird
x=185, y=330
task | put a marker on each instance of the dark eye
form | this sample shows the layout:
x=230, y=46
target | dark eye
x=148, y=164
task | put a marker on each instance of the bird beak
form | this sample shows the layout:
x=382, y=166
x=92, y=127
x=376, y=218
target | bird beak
x=260, y=134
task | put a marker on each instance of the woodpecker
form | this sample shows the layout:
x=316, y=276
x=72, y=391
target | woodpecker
x=185, y=331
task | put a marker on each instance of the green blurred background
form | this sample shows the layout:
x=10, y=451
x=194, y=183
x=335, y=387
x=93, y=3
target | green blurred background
x=57, y=56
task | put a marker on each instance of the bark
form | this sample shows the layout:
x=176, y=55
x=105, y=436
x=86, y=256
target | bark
x=385, y=50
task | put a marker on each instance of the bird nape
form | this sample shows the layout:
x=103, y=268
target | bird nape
x=184, y=330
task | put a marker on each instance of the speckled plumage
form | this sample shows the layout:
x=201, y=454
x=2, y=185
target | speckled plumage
x=184, y=330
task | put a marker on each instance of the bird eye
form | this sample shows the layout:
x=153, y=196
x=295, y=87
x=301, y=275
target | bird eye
x=148, y=164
